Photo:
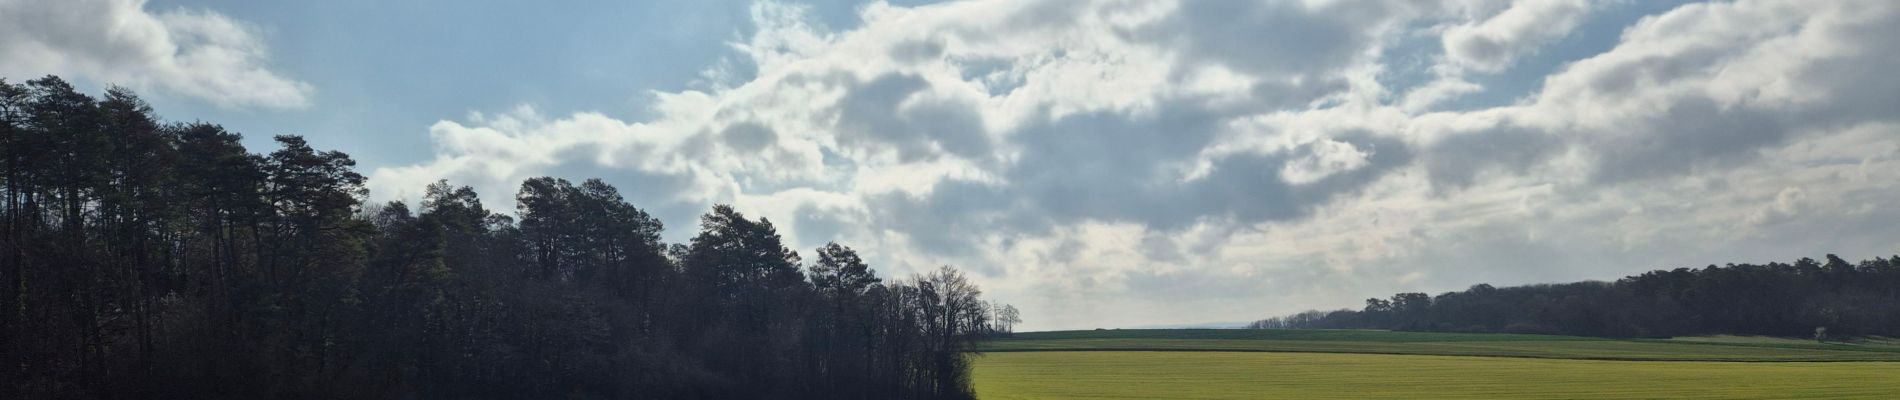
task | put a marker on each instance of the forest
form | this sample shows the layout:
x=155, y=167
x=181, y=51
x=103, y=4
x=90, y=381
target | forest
x=1809, y=298
x=150, y=259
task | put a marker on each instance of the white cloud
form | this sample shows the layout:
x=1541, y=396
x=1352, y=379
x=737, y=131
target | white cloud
x=1323, y=158
x=1124, y=162
x=1494, y=43
x=196, y=53
x=1788, y=204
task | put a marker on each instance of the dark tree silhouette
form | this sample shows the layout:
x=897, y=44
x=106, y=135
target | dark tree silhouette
x=141, y=259
x=1792, y=300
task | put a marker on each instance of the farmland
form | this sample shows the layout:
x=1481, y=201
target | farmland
x=1236, y=364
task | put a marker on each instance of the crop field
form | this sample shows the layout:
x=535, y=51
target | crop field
x=1253, y=364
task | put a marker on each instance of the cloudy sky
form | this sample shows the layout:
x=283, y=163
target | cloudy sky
x=1110, y=163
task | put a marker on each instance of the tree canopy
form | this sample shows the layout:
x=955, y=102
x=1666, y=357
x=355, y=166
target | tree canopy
x=1775, y=299
x=146, y=259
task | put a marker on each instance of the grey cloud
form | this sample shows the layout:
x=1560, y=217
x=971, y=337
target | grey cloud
x=1695, y=133
x=944, y=221
x=1108, y=166
x=1277, y=95
x=1483, y=49
x=954, y=125
x=872, y=116
x=1496, y=42
x=748, y=137
x=1158, y=247
x=1269, y=38
x=1250, y=189
x=1691, y=132
x=1117, y=168
x=1629, y=79
x=1456, y=161
x=1861, y=83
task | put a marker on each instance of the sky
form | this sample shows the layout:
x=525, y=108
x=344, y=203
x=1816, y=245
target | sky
x=1097, y=163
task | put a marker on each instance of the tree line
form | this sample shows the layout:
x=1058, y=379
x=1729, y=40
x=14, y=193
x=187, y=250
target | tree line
x=145, y=259
x=1807, y=297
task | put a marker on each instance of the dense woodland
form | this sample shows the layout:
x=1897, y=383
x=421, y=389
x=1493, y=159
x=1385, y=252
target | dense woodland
x=1807, y=298
x=144, y=259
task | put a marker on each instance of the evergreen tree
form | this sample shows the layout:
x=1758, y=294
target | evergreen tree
x=151, y=260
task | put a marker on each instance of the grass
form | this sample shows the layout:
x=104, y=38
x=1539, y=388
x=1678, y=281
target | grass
x=1447, y=344
x=1259, y=375
x=1354, y=335
x=1318, y=364
x=1864, y=344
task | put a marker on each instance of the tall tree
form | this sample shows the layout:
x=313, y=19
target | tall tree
x=142, y=259
x=136, y=204
x=749, y=283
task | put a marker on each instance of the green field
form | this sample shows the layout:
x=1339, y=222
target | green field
x=1447, y=344
x=1252, y=364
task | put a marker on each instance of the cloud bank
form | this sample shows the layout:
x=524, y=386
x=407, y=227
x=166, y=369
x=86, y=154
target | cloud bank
x=195, y=53
x=1122, y=162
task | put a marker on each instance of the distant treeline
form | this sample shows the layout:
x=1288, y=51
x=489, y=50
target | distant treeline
x=142, y=259
x=1806, y=298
